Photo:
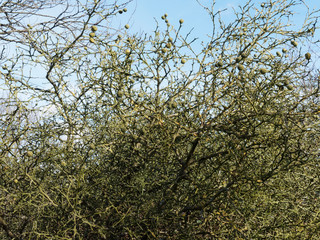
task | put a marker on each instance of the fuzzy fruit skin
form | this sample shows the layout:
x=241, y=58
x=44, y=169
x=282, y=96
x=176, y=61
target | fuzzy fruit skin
x=94, y=28
x=308, y=56
x=284, y=50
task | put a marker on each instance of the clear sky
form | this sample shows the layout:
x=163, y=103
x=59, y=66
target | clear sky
x=141, y=14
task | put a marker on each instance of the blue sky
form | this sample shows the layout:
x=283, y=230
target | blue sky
x=142, y=13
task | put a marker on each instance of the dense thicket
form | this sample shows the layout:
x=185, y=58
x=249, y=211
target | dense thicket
x=111, y=135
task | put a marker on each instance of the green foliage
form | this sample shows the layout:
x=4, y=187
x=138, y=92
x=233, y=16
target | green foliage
x=145, y=138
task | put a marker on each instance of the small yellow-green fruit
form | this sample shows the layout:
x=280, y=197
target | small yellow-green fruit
x=240, y=67
x=284, y=50
x=244, y=55
x=183, y=61
x=92, y=34
x=279, y=54
x=238, y=59
x=220, y=64
x=262, y=5
x=29, y=154
x=166, y=21
x=63, y=163
x=169, y=45
x=165, y=15
x=15, y=181
x=290, y=87
x=94, y=28
x=127, y=26
x=263, y=71
x=29, y=26
x=91, y=40
x=125, y=10
x=308, y=56
x=170, y=39
x=127, y=52
x=120, y=11
x=181, y=21
x=164, y=50
x=294, y=43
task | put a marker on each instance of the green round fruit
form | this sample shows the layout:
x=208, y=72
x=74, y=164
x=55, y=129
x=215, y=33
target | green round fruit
x=279, y=54
x=284, y=50
x=92, y=34
x=94, y=28
x=125, y=10
x=91, y=40
x=294, y=43
x=127, y=52
x=240, y=67
x=127, y=26
x=165, y=15
x=220, y=64
x=169, y=45
x=263, y=71
x=290, y=87
x=183, y=61
x=181, y=21
x=120, y=11
x=308, y=56
x=29, y=154
x=164, y=50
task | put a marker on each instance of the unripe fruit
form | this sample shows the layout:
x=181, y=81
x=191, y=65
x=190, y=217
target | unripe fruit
x=120, y=11
x=170, y=39
x=263, y=71
x=181, y=21
x=238, y=59
x=183, y=61
x=308, y=56
x=164, y=50
x=127, y=26
x=240, y=67
x=16, y=181
x=94, y=28
x=294, y=43
x=168, y=45
x=127, y=52
x=290, y=87
x=91, y=40
x=29, y=153
x=92, y=34
x=284, y=50
x=165, y=15
x=125, y=10
x=220, y=64
x=279, y=54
